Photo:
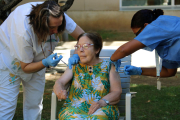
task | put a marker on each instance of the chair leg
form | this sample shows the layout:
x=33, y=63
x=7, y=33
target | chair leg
x=128, y=106
x=53, y=106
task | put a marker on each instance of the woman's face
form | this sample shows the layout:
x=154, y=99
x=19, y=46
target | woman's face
x=139, y=29
x=87, y=53
x=136, y=31
x=54, y=23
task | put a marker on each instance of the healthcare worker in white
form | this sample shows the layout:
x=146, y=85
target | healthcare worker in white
x=27, y=38
x=154, y=31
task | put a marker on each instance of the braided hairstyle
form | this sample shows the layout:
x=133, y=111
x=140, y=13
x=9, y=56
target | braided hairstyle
x=145, y=16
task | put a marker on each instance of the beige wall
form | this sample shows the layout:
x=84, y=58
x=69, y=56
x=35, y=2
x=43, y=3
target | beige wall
x=102, y=20
x=95, y=5
x=102, y=14
x=108, y=20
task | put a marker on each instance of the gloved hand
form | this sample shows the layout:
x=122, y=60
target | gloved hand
x=49, y=61
x=73, y=60
x=132, y=70
x=117, y=64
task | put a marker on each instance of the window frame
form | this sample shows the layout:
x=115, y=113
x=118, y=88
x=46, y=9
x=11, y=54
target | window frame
x=135, y=8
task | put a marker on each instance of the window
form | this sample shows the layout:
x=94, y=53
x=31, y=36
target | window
x=149, y=4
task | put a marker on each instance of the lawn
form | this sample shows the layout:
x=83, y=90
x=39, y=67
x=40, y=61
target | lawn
x=149, y=103
x=109, y=35
x=152, y=104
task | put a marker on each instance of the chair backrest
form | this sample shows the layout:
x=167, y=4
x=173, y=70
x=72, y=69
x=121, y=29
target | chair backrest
x=125, y=79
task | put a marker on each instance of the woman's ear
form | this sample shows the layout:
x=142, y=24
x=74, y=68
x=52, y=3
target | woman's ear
x=97, y=51
x=145, y=24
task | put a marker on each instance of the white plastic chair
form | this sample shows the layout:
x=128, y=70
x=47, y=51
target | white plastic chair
x=125, y=102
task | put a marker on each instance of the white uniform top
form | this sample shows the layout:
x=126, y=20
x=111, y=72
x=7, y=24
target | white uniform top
x=18, y=42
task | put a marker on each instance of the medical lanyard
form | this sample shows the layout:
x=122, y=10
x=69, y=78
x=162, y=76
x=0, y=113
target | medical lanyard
x=43, y=50
x=158, y=69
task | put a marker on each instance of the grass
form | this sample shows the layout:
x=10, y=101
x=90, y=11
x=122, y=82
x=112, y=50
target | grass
x=46, y=102
x=152, y=104
x=109, y=35
x=149, y=103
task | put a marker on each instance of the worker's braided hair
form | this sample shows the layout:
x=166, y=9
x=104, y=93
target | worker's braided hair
x=145, y=16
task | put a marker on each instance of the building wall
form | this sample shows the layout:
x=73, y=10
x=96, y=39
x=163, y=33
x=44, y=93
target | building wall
x=108, y=20
x=95, y=5
x=102, y=14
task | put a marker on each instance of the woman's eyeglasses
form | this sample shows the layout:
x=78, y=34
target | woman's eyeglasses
x=139, y=31
x=84, y=46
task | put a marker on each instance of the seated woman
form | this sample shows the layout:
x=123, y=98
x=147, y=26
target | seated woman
x=96, y=86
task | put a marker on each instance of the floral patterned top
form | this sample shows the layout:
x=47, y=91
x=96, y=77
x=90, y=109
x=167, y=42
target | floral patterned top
x=89, y=84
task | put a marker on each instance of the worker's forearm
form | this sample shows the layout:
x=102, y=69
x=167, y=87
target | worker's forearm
x=127, y=49
x=164, y=72
x=33, y=67
x=149, y=72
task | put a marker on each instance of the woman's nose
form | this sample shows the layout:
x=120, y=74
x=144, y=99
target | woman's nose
x=81, y=48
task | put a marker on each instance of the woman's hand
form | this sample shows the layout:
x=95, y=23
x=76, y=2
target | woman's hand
x=96, y=105
x=60, y=93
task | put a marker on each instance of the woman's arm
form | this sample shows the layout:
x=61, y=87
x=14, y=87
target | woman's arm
x=75, y=34
x=78, y=30
x=62, y=83
x=115, y=92
x=115, y=87
x=127, y=49
x=164, y=72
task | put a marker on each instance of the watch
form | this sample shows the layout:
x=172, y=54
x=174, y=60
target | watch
x=106, y=101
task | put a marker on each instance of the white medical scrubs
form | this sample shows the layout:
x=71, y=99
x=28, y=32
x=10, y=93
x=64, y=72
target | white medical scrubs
x=163, y=34
x=18, y=42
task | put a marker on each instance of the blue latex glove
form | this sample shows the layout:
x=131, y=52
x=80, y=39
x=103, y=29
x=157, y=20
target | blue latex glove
x=117, y=64
x=49, y=61
x=73, y=60
x=132, y=70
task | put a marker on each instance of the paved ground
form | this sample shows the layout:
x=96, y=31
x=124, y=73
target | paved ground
x=50, y=76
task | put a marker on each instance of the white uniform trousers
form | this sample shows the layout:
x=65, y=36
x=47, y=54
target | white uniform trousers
x=32, y=95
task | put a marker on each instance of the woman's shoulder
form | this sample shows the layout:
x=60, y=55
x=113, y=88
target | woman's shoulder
x=105, y=63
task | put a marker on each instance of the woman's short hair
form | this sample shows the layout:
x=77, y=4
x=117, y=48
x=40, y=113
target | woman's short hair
x=145, y=16
x=39, y=18
x=95, y=38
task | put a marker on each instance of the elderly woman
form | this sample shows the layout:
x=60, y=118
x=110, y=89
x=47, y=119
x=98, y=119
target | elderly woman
x=95, y=85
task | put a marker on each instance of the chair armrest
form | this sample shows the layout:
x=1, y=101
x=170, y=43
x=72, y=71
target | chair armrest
x=53, y=106
x=133, y=94
x=128, y=104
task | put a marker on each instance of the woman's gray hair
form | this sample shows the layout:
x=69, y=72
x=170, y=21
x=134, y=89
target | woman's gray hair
x=39, y=18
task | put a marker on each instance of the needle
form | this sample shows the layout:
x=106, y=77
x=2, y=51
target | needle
x=61, y=59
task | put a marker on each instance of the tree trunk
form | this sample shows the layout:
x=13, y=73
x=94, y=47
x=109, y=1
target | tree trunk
x=65, y=4
x=5, y=8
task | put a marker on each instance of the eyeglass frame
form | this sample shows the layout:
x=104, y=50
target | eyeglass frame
x=82, y=46
x=139, y=31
